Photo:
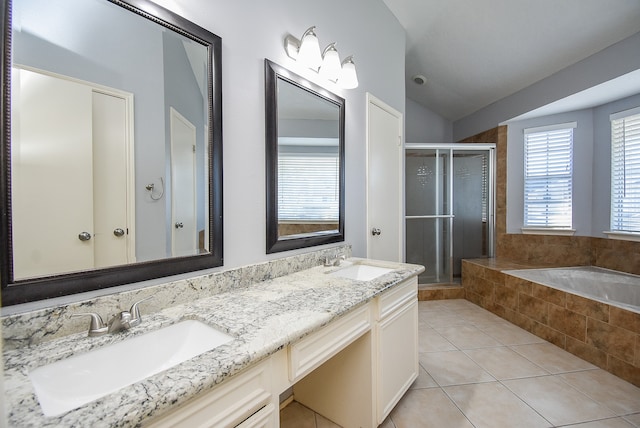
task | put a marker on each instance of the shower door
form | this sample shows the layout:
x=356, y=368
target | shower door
x=449, y=207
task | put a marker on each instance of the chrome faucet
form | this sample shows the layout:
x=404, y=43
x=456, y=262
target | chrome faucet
x=123, y=320
x=333, y=262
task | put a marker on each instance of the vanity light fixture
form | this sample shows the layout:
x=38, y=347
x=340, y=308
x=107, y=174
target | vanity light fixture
x=307, y=52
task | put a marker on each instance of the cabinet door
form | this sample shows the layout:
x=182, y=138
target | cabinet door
x=397, y=356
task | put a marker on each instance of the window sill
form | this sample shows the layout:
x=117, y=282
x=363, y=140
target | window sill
x=624, y=236
x=548, y=231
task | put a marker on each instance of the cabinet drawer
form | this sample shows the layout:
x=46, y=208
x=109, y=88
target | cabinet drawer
x=226, y=405
x=313, y=350
x=397, y=297
x=264, y=418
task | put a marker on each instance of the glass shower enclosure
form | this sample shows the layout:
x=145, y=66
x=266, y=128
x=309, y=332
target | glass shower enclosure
x=449, y=215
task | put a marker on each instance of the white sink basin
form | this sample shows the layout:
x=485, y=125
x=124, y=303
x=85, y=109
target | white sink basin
x=75, y=381
x=361, y=272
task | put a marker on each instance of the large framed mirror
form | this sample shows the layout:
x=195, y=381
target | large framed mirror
x=304, y=162
x=111, y=146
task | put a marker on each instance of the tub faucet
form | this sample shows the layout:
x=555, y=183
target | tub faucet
x=333, y=262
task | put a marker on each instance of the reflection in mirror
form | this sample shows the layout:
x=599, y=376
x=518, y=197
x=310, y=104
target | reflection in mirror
x=305, y=162
x=110, y=143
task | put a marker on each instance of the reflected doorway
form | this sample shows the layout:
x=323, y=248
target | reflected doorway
x=449, y=216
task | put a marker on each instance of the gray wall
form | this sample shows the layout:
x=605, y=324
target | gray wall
x=591, y=164
x=614, y=61
x=582, y=164
x=254, y=30
x=424, y=126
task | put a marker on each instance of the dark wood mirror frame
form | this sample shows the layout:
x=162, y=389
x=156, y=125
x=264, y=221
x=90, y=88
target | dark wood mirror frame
x=276, y=243
x=15, y=292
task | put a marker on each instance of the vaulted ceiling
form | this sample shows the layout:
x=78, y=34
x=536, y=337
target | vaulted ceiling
x=475, y=52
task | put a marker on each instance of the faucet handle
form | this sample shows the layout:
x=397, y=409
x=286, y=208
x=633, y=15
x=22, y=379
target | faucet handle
x=136, y=318
x=97, y=326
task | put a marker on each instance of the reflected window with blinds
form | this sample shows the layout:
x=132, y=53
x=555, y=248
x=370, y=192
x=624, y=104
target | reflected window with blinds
x=308, y=180
x=625, y=171
x=548, y=176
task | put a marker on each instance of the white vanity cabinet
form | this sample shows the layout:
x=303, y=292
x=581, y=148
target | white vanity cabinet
x=352, y=371
x=396, y=345
x=245, y=400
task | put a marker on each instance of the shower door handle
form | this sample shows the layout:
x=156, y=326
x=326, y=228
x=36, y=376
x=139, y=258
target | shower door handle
x=375, y=231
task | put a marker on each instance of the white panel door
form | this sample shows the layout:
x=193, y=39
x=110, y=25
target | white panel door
x=111, y=231
x=384, y=182
x=51, y=168
x=183, y=203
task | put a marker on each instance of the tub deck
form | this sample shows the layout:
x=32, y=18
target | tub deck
x=605, y=335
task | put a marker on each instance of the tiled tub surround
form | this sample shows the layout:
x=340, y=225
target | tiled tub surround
x=605, y=335
x=263, y=318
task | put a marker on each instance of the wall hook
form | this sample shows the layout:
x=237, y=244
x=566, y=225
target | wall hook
x=150, y=188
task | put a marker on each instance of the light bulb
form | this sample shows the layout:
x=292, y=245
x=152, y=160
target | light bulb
x=349, y=77
x=309, y=53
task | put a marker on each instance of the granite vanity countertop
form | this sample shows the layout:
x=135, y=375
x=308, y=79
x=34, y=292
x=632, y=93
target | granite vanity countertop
x=263, y=318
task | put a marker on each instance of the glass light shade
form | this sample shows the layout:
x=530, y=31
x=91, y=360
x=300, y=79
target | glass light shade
x=309, y=53
x=331, y=67
x=349, y=77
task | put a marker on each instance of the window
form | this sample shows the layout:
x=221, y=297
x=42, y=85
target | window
x=308, y=184
x=625, y=171
x=548, y=169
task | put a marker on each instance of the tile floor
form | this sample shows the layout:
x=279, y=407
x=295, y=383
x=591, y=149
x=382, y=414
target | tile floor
x=478, y=370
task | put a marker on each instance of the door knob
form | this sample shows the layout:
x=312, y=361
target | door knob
x=179, y=225
x=375, y=231
x=118, y=232
x=84, y=236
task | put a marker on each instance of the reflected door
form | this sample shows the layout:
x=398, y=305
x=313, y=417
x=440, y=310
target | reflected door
x=69, y=150
x=449, y=208
x=183, y=173
x=51, y=167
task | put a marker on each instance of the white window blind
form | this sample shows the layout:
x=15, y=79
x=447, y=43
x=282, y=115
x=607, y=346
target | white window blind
x=625, y=172
x=548, y=170
x=308, y=187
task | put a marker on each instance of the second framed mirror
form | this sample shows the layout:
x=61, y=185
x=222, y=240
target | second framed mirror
x=304, y=162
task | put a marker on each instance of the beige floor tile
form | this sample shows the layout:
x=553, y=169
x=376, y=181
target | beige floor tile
x=387, y=423
x=508, y=334
x=458, y=304
x=633, y=419
x=492, y=405
x=466, y=336
x=504, y=363
x=430, y=305
x=557, y=401
x=453, y=368
x=322, y=422
x=442, y=319
x=620, y=396
x=478, y=316
x=604, y=423
x=424, y=380
x=552, y=358
x=295, y=415
x=426, y=408
x=430, y=340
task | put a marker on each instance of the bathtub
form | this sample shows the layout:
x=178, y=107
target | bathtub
x=606, y=286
